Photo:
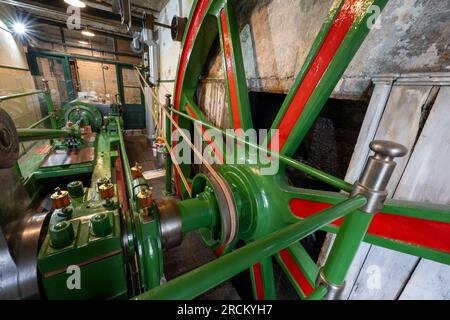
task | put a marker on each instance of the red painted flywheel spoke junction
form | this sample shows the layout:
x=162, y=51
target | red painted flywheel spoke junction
x=296, y=272
x=259, y=283
x=430, y=234
x=229, y=64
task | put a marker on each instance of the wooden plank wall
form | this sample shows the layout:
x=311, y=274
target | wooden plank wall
x=415, y=114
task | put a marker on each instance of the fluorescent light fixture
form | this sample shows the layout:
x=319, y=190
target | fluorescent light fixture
x=83, y=42
x=88, y=33
x=19, y=28
x=76, y=3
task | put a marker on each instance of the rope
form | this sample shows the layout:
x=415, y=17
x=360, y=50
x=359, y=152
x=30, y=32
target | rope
x=177, y=167
x=216, y=176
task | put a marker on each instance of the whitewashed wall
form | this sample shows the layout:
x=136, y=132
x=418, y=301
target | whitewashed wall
x=169, y=49
x=413, y=37
x=415, y=114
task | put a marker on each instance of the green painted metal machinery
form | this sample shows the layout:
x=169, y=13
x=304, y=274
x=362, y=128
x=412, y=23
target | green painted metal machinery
x=106, y=240
x=82, y=114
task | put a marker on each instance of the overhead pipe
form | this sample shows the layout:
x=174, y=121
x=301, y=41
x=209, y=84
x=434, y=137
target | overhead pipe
x=47, y=13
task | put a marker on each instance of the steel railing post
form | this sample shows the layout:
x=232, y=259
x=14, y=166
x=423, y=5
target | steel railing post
x=372, y=184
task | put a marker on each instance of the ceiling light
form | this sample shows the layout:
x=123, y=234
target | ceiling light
x=19, y=28
x=88, y=33
x=76, y=3
x=83, y=42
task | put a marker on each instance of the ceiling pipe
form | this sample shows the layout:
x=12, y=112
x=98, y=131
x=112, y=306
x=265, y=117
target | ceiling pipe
x=106, y=6
x=46, y=13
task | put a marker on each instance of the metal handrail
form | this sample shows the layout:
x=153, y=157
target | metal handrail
x=34, y=125
x=20, y=95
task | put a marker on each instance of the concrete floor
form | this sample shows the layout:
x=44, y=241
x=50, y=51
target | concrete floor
x=192, y=253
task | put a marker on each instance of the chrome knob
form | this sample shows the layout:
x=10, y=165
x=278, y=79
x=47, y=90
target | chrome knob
x=377, y=173
x=388, y=149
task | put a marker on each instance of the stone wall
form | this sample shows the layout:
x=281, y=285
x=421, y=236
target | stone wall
x=276, y=36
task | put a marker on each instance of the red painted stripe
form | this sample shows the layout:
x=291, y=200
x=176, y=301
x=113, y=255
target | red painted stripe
x=258, y=281
x=229, y=63
x=330, y=46
x=220, y=251
x=425, y=233
x=197, y=18
x=208, y=138
x=43, y=150
x=296, y=273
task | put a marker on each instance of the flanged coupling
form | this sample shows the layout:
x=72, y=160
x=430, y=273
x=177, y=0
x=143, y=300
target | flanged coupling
x=60, y=199
x=376, y=175
x=170, y=223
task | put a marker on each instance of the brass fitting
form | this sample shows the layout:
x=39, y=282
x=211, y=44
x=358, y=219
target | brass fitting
x=145, y=198
x=106, y=190
x=60, y=199
x=136, y=171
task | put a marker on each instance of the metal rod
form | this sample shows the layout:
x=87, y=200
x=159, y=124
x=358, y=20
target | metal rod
x=126, y=163
x=50, y=106
x=168, y=140
x=207, y=277
x=162, y=25
x=347, y=243
x=120, y=53
x=195, y=214
x=5, y=29
x=20, y=95
x=166, y=81
x=45, y=13
x=318, y=174
x=34, y=125
x=14, y=68
x=40, y=134
x=47, y=54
